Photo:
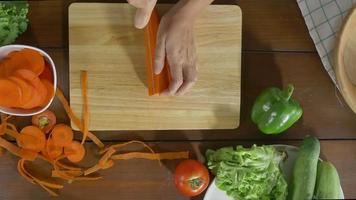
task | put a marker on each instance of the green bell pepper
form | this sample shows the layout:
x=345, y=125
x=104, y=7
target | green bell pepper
x=274, y=110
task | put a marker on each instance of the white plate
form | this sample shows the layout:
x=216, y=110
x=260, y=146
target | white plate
x=214, y=193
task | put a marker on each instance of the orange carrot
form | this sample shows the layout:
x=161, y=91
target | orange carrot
x=152, y=156
x=10, y=94
x=50, y=91
x=74, y=118
x=31, y=138
x=75, y=152
x=51, y=150
x=104, y=162
x=62, y=135
x=47, y=73
x=27, y=59
x=156, y=83
x=33, y=80
x=26, y=89
x=28, y=155
x=86, y=117
x=45, y=121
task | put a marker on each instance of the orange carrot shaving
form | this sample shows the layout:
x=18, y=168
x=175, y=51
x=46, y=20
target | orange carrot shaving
x=4, y=123
x=84, y=80
x=27, y=155
x=75, y=119
x=103, y=162
x=156, y=83
x=152, y=156
x=121, y=145
x=75, y=152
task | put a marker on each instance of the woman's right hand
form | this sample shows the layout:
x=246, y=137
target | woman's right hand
x=144, y=10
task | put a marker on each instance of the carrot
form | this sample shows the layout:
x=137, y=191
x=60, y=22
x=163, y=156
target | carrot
x=86, y=117
x=26, y=89
x=152, y=156
x=51, y=150
x=62, y=135
x=75, y=119
x=50, y=91
x=104, y=162
x=121, y=145
x=10, y=94
x=45, y=121
x=33, y=80
x=75, y=152
x=156, y=83
x=31, y=138
x=28, y=155
x=47, y=73
x=27, y=59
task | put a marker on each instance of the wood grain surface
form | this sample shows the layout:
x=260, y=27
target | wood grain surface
x=104, y=42
x=277, y=49
x=142, y=179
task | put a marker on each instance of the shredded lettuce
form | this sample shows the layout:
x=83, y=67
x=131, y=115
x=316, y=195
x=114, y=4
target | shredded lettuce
x=248, y=173
x=13, y=20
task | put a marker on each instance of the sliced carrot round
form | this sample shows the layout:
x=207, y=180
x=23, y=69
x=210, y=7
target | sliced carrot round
x=27, y=59
x=75, y=152
x=10, y=94
x=51, y=150
x=50, y=91
x=47, y=73
x=26, y=89
x=62, y=135
x=31, y=138
x=33, y=79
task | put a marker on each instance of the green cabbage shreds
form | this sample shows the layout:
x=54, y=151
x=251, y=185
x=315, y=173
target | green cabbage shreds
x=13, y=20
x=248, y=173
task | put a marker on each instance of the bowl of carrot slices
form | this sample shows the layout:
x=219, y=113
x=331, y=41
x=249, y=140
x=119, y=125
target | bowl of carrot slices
x=28, y=80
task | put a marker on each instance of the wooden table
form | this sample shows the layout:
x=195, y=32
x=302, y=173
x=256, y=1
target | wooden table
x=277, y=50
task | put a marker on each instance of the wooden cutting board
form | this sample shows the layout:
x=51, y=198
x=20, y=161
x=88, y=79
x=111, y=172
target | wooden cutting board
x=103, y=41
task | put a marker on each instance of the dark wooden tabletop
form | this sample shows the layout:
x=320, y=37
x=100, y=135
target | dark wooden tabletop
x=277, y=50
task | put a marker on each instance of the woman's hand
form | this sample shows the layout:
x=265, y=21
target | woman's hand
x=144, y=10
x=175, y=40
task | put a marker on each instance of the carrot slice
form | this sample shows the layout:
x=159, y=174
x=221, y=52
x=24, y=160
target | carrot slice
x=26, y=89
x=10, y=94
x=86, y=117
x=50, y=91
x=75, y=119
x=33, y=79
x=47, y=73
x=31, y=138
x=62, y=135
x=27, y=59
x=28, y=155
x=75, y=152
x=152, y=156
x=51, y=150
x=156, y=83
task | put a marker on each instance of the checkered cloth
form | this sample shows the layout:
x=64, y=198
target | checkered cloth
x=324, y=19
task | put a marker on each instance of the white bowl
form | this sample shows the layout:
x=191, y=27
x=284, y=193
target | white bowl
x=4, y=51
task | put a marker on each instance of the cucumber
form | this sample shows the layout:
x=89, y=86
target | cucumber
x=327, y=182
x=305, y=170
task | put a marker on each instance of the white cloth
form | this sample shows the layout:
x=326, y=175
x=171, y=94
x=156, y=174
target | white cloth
x=324, y=19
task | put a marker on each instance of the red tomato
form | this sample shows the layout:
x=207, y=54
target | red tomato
x=191, y=177
x=45, y=121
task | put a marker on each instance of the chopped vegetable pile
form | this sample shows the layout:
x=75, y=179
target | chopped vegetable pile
x=59, y=144
x=21, y=85
x=13, y=20
x=248, y=173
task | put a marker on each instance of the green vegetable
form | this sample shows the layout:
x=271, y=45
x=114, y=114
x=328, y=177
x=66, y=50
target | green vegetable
x=327, y=182
x=13, y=20
x=305, y=169
x=248, y=173
x=274, y=110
